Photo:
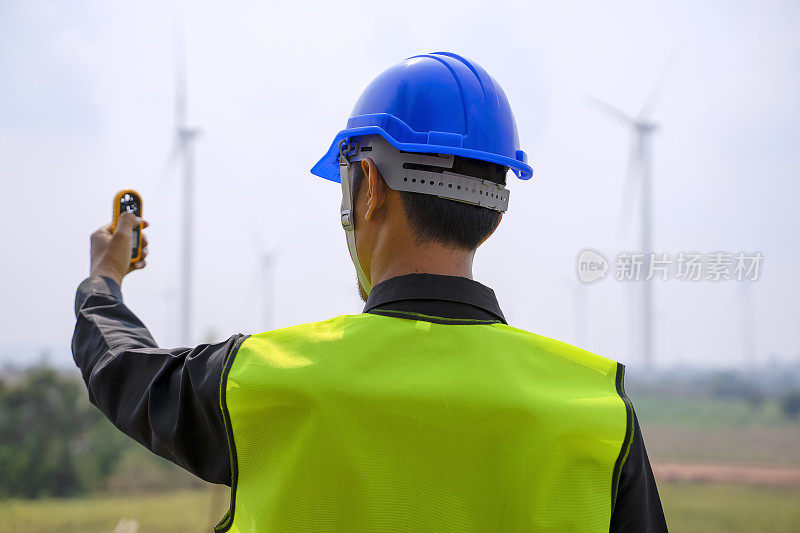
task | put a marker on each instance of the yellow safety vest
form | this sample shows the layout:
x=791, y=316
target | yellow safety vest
x=375, y=423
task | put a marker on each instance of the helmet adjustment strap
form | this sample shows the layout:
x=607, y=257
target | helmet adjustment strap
x=348, y=213
x=426, y=174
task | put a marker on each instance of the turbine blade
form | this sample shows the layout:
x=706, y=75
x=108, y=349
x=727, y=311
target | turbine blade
x=255, y=279
x=180, y=78
x=613, y=112
x=169, y=162
x=256, y=237
x=658, y=86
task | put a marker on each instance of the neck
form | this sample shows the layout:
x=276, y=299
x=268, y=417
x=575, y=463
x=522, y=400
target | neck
x=391, y=261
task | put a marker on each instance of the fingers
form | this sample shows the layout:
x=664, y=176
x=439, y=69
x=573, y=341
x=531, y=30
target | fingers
x=145, y=241
x=142, y=262
x=111, y=250
x=127, y=221
x=119, y=244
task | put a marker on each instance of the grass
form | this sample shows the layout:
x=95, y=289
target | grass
x=768, y=446
x=707, y=508
x=689, y=428
x=703, y=412
x=717, y=507
x=676, y=428
x=184, y=510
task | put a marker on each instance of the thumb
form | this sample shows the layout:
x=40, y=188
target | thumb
x=127, y=221
x=123, y=235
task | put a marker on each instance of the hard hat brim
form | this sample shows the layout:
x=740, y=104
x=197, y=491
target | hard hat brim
x=328, y=166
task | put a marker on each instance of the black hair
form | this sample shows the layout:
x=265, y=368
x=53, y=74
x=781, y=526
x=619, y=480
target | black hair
x=448, y=222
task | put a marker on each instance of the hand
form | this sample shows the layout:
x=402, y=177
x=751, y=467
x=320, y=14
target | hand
x=111, y=252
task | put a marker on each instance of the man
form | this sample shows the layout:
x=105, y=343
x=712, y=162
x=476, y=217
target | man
x=426, y=412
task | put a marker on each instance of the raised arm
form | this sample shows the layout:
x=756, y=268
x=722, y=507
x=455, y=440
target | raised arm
x=166, y=399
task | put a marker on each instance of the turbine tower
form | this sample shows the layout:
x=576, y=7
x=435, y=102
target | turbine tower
x=640, y=173
x=264, y=278
x=266, y=269
x=183, y=148
x=747, y=325
x=580, y=314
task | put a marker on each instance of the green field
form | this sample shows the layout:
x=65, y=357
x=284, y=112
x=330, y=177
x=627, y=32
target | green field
x=185, y=510
x=714, y=507
x=707, y=508
x=704, y=412
x=676, y=428
x=700, y=429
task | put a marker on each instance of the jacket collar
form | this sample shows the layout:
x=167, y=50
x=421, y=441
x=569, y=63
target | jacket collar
x=459, y=297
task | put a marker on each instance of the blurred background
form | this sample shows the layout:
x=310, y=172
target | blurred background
x=95, y=97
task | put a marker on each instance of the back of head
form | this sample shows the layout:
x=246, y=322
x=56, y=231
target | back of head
x=434, y=219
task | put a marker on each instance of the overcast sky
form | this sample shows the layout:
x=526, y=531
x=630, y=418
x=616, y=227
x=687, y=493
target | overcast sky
x=86, y=109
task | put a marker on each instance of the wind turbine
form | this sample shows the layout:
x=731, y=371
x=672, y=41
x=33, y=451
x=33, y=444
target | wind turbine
x=747, y=324
x=640, y=170
x=579, y=309
x=183, y=149
x=580, y=313
x=265, y=272
x=264, y=277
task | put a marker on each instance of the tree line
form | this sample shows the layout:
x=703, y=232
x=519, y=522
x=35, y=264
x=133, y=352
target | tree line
x=53, y=442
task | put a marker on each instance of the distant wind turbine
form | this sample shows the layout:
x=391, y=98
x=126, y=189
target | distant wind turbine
x=578, y=289
x=183, y=150
x=639, y=172
x=264, y=276
x=747, y=324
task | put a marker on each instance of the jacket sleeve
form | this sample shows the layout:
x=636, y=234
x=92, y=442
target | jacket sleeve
x=637, y=508
x=166, y=399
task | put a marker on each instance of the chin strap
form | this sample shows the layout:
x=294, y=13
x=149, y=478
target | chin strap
x=348, y=215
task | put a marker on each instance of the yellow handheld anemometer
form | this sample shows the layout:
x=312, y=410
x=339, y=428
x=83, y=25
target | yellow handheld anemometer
x=130, y=201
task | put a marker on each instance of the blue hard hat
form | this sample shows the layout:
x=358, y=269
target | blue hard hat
x=435, y=103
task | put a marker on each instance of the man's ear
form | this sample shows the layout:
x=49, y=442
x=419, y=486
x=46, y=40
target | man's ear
x=376, y=188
